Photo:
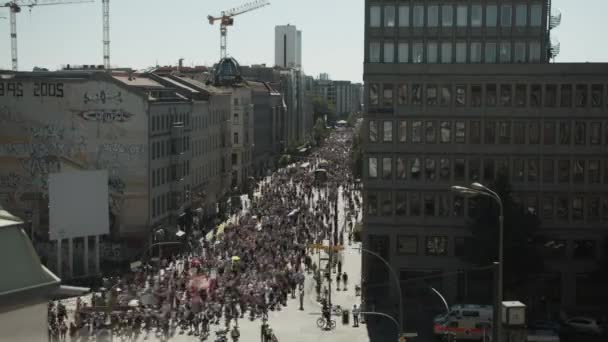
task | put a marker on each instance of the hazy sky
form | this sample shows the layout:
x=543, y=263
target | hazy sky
x=144, y=32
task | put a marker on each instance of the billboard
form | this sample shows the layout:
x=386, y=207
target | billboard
x=78, y=204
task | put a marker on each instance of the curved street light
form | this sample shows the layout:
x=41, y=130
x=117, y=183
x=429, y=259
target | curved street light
x=478, y=189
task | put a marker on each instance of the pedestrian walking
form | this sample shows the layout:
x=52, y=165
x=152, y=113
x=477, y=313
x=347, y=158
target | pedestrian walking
x=355, y=316
x=339, y=266
x=344, y=280
x=338, y=278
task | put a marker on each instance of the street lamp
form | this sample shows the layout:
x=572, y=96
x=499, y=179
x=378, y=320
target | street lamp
x=478, y=189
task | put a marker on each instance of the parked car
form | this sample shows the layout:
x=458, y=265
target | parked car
x=586, y=325
x=554, y=326
x=542, y=336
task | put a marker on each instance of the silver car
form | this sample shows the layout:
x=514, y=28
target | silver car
x=585, y=325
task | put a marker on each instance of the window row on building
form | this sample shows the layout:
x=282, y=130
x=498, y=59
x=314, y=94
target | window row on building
x=206, y=144
x=165, y=175
x=164, y=122
x=205, y=171
x=462, y=246
x=531, y=170
x=166, y=147
x=447, y=52
x=520, y=95
x=461, y=15
x=504, y=132
x=550, y=207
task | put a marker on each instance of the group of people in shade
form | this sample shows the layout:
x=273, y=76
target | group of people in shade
x=251, y=266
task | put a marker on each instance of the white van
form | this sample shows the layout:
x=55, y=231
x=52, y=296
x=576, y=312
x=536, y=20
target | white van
x=471, y=329
x=482, y=312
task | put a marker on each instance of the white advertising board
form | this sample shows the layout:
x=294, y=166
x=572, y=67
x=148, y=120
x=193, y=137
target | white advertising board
x=78, y=203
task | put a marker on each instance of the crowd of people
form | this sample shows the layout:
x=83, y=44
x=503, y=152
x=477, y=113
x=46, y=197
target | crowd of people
x=242, y=271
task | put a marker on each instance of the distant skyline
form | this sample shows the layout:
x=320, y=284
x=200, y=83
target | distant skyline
x=147, y=32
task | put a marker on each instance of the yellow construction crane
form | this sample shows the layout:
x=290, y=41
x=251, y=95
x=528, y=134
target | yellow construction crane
x=15, y=7
x=227, y=16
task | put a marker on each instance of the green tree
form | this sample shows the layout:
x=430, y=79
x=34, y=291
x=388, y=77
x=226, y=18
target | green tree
x=320, y=131
x=521, y=256
x=323, y=108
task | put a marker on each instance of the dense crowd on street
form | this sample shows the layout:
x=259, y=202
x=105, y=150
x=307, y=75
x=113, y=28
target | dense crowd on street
x=251, y=266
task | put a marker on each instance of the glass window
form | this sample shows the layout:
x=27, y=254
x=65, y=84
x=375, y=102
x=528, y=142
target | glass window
x=550, y=95
x=536, y=95
x=446, y=131
x=519, y=132
x=579, y=132
x=414, y=204
x=474, y=169
x=401, y=168
x=548, y=171
x=389, y=52
x=407, y=245
x=431, y=133
x=520, y=52
x=488, y=169
x=475, y=53
x=431, y=95
x=563, y=171
x=404, y=16
x=387, y=131
x=566, y=95
x=387, y=94
x=490, y=52
x=416, y=94
x=577, y=208
x=373, y=167
x=429, y=205
x=605, y=209
x=436, y=245
x=447, y=15
x=595, y=135
x=504, y=132
x=520, y=95
x=536, y=13
x=402, y=131
x=417, y=132
x=521, y=15
x=505, y=16
x=578, y=171
x=548, y=208
x=475, y=132
x=490, y=132
x=476, y=15
x=415, y=168
x=389, y=16
x=402, y=94
x=460, y=132
x=374, y=52
x=461, y=95
x=432, y=16
x=444, y=169
x=593, y=209
x=374, y=16
x=387, y=168
x=506, y=95
x=491, y=15
x=594, y=171
x=549, y=133
x=459, y=169
x=563, y=208
x=596, y=95
x=374, y=89
x=491, y=95
x=532, y=170
x=446, y=95
x=505, y=52
x=564, y=132
x=534, y=52
x=400, y=205
x=418, y=53
x=461, y=52
x=446, y=52
x=581, y=95
x=458, y=206
x=430, y=170
x=372, y=204
x=461, y=15
x=387, y=203
x=403, y=52
x=373, y=131
x=418, y=16
x=443, y=205
x=518, y=170
x=431, y=52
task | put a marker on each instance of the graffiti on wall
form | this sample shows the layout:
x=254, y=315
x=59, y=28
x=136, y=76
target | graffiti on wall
x=102, y=97
x=106, y=115
x=118, y=150
x=7, y=115
x=10, y=180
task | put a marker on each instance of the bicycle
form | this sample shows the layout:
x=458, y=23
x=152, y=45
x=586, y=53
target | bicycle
x=336, y=310
x=322, y=323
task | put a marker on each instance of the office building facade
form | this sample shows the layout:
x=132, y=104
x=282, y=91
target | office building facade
x=287, y=47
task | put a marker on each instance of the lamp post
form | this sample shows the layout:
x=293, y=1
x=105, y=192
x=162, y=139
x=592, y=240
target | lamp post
x=396, y=281
x=478, y=189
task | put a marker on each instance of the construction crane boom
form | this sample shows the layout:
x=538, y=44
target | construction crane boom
x=105, y=4
x=226, y=18
x=15, y=7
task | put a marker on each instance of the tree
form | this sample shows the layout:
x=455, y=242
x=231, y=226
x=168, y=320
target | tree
x=521, y=256
x=320, y=131
x=323, y=108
